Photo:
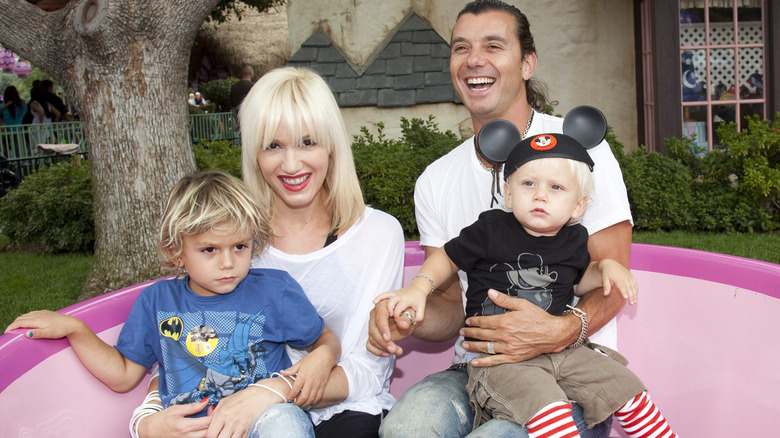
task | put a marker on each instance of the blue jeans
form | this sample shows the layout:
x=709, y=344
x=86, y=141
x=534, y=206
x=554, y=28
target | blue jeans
x=283, y=419
x=439, y=406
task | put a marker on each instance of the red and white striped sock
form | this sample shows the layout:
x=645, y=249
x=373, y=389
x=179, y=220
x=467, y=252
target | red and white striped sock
x=640, y=418
x=553, y=421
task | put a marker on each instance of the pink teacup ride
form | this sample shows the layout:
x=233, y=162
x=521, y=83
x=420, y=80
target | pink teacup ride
x=703, y=338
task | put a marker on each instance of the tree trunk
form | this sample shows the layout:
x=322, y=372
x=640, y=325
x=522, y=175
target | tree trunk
x=124, y=65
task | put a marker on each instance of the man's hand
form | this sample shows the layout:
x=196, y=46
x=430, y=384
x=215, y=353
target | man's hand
x=526, y=331
x=384, y=331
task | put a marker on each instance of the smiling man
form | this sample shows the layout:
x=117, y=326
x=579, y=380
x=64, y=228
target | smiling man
x=492, y=63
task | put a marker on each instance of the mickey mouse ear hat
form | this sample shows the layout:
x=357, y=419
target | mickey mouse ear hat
x=546, y=146
x=584, y=127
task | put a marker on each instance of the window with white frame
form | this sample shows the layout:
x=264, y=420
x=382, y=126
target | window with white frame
x=721, y=65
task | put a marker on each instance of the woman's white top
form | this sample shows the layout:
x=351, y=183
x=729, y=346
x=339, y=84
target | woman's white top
x=341, y=280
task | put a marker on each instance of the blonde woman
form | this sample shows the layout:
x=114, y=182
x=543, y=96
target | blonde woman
x=298, y=163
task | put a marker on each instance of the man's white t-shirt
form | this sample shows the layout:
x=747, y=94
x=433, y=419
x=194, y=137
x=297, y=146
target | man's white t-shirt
x=452, y=192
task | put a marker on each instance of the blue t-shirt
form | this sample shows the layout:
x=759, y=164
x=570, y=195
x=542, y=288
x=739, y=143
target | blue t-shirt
x=16, y=118
x=214, y=346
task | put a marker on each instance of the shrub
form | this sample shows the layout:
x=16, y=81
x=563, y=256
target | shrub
x=388, y=168
x=218, y=93
x=736, y=188
x=51, y=209
x=218, y=155
x=658, y=191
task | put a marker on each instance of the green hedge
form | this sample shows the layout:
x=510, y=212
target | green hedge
x=51, y=210
x=736, y=188
x=388, y=168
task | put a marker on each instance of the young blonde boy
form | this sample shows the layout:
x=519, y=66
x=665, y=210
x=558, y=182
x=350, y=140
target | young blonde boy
x=218, y=327
x=539, y=252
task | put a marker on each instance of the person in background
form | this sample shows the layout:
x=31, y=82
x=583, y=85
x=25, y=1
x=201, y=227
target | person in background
x=13, y=111
x=239, y=90
x=199, y=100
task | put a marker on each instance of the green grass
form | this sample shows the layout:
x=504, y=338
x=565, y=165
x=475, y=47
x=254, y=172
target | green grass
x=30, y=281
x=764, y=246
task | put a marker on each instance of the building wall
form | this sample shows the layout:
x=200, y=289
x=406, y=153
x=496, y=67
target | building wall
x=585, y=50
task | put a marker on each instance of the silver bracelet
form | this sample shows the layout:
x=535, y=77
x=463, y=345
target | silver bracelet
x=427, y=277
x=584, y=330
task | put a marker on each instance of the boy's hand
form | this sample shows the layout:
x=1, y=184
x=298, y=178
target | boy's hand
x=311, y=375
x=615, y=275
x=45, y=324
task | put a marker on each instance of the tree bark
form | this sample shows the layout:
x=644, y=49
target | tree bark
x=124, y=65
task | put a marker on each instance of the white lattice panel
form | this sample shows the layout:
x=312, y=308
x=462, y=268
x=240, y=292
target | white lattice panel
x=751, y=59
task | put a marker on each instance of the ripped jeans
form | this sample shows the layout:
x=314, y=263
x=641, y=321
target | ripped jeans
x=284, y=419
x=438, y=406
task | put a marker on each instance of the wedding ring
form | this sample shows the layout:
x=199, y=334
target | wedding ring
x=411, y=317
x=490, y=348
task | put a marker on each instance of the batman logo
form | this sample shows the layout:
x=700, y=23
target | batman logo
x=172, y=328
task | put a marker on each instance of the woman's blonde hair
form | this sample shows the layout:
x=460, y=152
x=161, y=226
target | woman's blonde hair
x=209, y=201
x=294, y=98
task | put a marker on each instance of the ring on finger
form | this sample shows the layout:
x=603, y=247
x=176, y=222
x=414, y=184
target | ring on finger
x=411, y=317
x=491, y=348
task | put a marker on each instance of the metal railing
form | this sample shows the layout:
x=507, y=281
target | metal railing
x=21, y=153
x=212, y=127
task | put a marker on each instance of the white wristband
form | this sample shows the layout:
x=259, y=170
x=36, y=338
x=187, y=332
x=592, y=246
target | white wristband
x=152, y=404
x=260, y=385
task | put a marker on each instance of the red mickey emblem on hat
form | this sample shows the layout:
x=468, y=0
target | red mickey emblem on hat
x=543, y=142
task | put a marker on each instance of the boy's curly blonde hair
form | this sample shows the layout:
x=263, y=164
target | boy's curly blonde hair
x=209, y=201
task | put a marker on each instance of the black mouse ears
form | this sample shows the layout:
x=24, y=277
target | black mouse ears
x=585, y=124
x=497, y=138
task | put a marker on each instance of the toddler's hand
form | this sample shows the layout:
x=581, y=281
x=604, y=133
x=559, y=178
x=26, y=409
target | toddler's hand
x=615, y=275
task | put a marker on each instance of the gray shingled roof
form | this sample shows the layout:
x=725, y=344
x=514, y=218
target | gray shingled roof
x=411, y=69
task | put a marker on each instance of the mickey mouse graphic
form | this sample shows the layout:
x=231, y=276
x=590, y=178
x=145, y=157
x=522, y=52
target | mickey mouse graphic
x=530, y=280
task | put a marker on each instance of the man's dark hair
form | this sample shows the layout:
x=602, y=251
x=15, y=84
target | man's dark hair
x=535, y=91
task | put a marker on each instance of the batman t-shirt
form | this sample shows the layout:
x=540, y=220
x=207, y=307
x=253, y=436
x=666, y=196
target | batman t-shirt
x=214, y=346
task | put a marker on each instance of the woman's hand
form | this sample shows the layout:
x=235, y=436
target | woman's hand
x=173, y=421
x=235, y=414
x=311, y=375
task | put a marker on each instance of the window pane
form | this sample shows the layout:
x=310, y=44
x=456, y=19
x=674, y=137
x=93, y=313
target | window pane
x=693, y=75
x=751, y=67
x=749, y=109
x=722, y=74
x=695, y=125
x=748, y=14
x=721, y=12
x=692, y=15
x=722, y=114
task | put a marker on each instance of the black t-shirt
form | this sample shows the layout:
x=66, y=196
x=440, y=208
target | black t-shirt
x=238, y=91
x=496, y=252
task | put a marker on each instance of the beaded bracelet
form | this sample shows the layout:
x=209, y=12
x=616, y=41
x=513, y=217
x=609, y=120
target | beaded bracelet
x=427, y=277
x=584, y=330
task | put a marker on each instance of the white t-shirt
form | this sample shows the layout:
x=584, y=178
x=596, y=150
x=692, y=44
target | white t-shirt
x=452, y=192
x=341, y=280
